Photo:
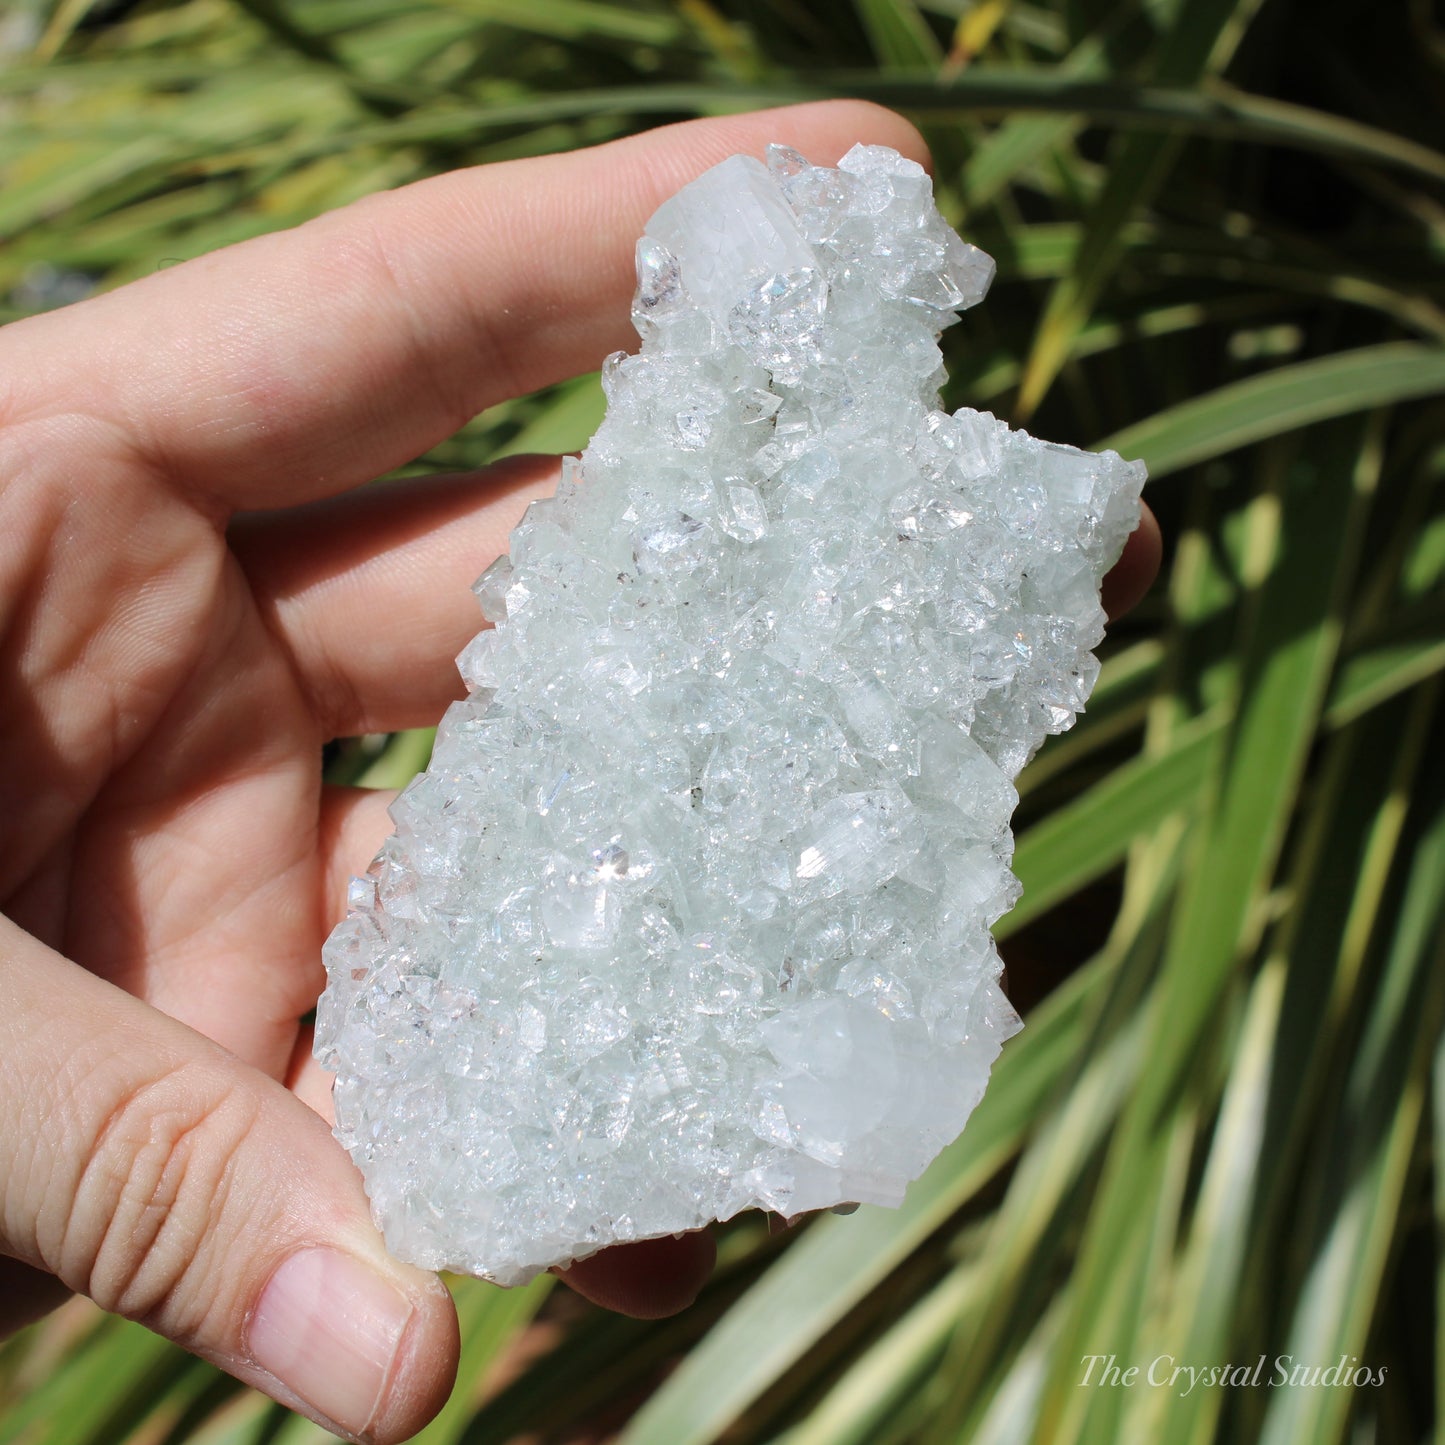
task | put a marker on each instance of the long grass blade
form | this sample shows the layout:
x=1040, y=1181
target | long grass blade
x=899, y=35
x=1281, y=401
x=1362, y=1181
x=1085, y=839
x=1136, y=172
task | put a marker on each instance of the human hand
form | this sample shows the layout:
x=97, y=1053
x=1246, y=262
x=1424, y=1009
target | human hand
x=192, y=602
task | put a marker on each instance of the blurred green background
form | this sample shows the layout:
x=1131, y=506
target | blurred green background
x=1219, y=227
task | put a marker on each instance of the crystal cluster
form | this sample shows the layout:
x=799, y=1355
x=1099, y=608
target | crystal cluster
x=690, y=913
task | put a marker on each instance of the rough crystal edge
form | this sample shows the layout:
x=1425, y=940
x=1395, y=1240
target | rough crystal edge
x=1000, y=1016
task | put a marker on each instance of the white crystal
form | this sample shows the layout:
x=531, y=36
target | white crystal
x=690, y=913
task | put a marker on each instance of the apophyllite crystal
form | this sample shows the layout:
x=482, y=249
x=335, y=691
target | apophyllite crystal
x=690, y=913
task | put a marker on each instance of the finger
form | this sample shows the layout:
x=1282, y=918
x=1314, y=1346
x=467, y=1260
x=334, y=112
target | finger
x=152, y=1171
x=352, y=827
x=1134, y=573
x=308, y=1080
x=370, y=592
x=648, y=1280
x=296, y=365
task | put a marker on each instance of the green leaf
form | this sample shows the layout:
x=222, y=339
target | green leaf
x=1223, y=111
x=1136, y=171
x=1086, y=838
x=1103, y=335
x=1360, y=1186
x=1022, y=139
x=490, y=1320
x=566, y=424
x=1437, y=1119
x=401, y=759
x=1371, y=678
x=868, y=1396
x=1281, y=401
x=101, y=1390
x=581, y=21
x=898, y=33
x=1303, y=1004
x=62, y=174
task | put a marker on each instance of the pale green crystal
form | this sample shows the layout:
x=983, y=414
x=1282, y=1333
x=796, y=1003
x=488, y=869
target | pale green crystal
x=690, y=913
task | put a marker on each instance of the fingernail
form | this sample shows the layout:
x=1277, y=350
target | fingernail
x=329, y=1327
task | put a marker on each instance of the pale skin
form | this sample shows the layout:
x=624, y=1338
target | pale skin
x=193, y=600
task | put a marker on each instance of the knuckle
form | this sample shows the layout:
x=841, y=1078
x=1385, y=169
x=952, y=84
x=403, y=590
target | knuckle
x=154, y=1199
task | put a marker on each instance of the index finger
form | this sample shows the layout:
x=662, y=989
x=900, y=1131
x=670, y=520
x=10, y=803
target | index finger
x=296, y=365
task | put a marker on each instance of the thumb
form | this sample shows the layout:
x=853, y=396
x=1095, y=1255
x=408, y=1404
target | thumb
x=148, y=1168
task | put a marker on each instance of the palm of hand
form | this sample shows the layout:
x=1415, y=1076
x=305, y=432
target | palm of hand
x=168, y=834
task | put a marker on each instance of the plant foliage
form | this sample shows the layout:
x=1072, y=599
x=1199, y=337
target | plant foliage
x=1219, y=226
